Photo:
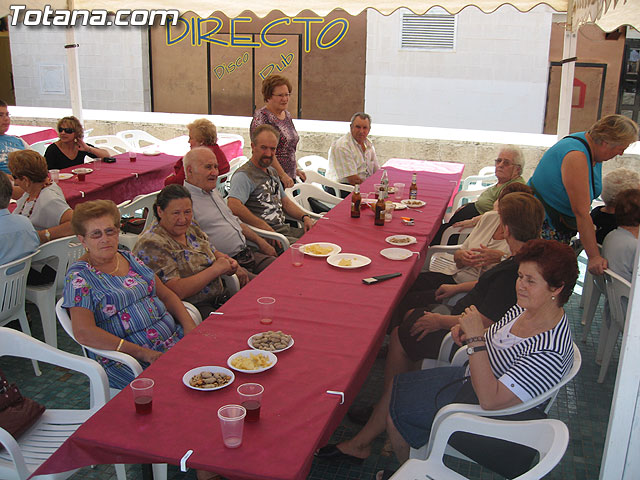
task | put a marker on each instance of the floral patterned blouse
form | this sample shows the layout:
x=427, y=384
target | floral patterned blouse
x=126, y=306
x=286, y=150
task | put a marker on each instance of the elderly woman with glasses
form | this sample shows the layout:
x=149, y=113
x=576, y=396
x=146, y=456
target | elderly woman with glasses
x=116, y=302
x=70, y=149
x=276, y=91
x=509, y=167
x=569, y=176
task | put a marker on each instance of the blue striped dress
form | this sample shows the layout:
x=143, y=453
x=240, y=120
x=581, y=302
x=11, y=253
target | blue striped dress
x=126, y=306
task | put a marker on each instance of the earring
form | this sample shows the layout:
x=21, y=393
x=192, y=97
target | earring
x=553, y=297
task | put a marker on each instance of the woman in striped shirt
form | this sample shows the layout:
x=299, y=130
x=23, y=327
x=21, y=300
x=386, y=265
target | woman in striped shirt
x=520, y=357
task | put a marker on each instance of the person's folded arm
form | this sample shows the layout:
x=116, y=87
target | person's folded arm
x=185, y=287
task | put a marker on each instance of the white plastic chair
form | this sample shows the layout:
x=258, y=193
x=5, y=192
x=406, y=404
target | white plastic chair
x=443, y=354
x=314, y=177
x=63, y=251
x=115, y=145
x=13, y=283
x=138, y=139
x=462, y=197
x=142, y=203
x=617, y=289
x=549, y=396
x=269, y=235
x=22, y=456
x=41, y=147
x=488, y=170
x=478, y=182
x=301, y=192
x=549, y=437
x=315, y=163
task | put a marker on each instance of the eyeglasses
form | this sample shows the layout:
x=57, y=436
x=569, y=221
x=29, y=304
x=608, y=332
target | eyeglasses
x=282, y=95
x=5, y=115
x=65, y=130
x=15, y=177
x=505, y=162
x=97, y=234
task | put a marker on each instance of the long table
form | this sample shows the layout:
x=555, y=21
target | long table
x=337, y=322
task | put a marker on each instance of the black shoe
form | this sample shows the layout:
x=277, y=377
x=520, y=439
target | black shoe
x=360, y=414
x=331, y=452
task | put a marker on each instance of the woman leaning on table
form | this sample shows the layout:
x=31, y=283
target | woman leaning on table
x=569, y=176
x=116, y=302
x=70, y=149
x=518, y=358
x=276, y=91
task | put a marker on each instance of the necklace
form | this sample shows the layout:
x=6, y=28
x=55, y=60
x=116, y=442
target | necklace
x=33, y=205
x=112, y=271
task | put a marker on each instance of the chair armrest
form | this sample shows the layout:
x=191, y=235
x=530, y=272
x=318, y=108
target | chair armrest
x=12, y=447
x=121, y=357
x=193, y=312
x=450, y=231
x=271, y=236
x=440, y=249
x=232, y=283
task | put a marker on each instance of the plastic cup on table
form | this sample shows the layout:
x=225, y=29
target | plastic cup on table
x=388, y=211
x=142, y=394
x=81, y=177
x=267, y=307
x=297, y=254
x=133, y=156
x=251, y=399
x=55, y=175
x=96, y=164
x=399, y=191
x=231, y=424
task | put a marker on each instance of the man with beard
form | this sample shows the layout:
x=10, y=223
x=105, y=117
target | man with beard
x=257, y=196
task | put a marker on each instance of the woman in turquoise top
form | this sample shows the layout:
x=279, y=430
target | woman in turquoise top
x=569, y=176
x=116, y=302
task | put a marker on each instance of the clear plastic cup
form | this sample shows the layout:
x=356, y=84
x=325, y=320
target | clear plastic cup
x=55, y=175
x=388, y=211
x=231, y=424
x=297, y=254
x=142, y=394
x=133, y=156
x=251, y=399
x=399, y=191
x=267, y=308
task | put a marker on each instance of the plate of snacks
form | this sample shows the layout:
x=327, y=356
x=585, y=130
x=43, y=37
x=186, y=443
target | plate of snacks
x=401, y=240
x=414, y=203
x=82, y=170
x=321, y=249
x=208, y=378
x=271, y=341
x=65, y=176
x=252, y=361
x=348, y=260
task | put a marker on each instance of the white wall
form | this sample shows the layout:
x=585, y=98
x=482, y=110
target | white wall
x=114, y=72
x=496, y=79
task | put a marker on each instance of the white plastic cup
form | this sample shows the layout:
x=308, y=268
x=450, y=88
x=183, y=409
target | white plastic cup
x=231, y=424
x=142, y=395
x=133, y=156
x=267, y=308
x=399, y=191
x=250, y=395
x=55, y=175
x=388, y=211
x=297, y=254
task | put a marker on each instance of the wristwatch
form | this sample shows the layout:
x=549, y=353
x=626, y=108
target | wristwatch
x=305, y=215
x=479, y=348
x=47, y=234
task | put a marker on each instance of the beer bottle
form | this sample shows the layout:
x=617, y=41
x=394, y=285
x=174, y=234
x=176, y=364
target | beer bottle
x=385, y=183
x=413, y=189
x=379, y=209
x=356, y=198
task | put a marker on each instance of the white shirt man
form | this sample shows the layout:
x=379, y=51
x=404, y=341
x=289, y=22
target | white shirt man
x=352, y=158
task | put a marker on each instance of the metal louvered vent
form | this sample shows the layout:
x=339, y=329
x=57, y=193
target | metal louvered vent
x=432, y=31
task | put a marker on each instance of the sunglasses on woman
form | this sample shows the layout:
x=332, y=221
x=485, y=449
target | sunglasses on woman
x=65, y=130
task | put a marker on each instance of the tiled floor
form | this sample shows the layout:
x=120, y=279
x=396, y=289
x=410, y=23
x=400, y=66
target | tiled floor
x=583, y=406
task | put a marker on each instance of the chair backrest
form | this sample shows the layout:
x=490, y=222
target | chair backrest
x=109, y=142
x=314, y=177
x=462, y=234
x=478, y=182
x=314, y=162
x=13, y=283
x=65, y=250
x=488, y=170
x=301, y=192
x=462, y=197
x=41, y=147
x=618, y=291
x=138, y=139
x=141, y=202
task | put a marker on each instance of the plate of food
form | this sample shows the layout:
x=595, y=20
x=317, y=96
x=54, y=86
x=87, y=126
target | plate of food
x=82, y=170
x=401, y=240
x=396, y=253
x=321, y=249
x=399, y=206
x=252, y=361
x=271, y=341
x=348, y=260
x=414, y=203
x=208, y=378
x=65, y=176
x=151, y=152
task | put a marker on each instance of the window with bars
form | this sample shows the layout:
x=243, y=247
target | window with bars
x=435, y=30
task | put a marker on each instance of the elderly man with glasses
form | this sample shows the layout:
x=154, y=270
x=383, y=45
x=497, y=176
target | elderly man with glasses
x=509, y=168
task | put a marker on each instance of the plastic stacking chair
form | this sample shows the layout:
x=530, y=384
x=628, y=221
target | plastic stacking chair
x=478, y=182
x=443, y=354
x=315, y=163
x=302, y=192
x=549, y=437
x=138, y=207
x=618, y=291
x=22, y=456
x=462, y=197
x=41, y=147
x=13, y=283
x=314, y=177
x=62, y=252
x=138, y=139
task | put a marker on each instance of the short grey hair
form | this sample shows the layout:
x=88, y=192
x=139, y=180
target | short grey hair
x=364, y=116
x=6, y=189
x=518, y=156
x=616, y=181
x=191, y=156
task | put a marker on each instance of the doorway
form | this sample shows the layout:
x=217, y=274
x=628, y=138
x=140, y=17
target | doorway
x=629, y=94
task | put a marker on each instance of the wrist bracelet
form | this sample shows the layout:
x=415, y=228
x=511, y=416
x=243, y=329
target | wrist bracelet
x=120, y=345
x=474, y=339
x=305, y=215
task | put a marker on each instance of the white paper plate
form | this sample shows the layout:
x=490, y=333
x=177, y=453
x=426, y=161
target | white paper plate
x=195, y=371
x=396, y=253
x=401, y=240
x=335, y=249
x=151, y=152
x=413, y=203
x=399, y=206
x=84, y=170
x=357, y=261
x=65, y=176
x=248, y=353
x=250, y=339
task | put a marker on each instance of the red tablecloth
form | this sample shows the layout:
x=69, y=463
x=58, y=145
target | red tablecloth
x=119, y=181
x=337, y=323
x=32, y=134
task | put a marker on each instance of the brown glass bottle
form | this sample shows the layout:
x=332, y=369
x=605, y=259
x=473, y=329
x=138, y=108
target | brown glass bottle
x=379, y=209
x=356, y=199
x=413, y=189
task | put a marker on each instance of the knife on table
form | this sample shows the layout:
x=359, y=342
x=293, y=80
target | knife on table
x=380, y=278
